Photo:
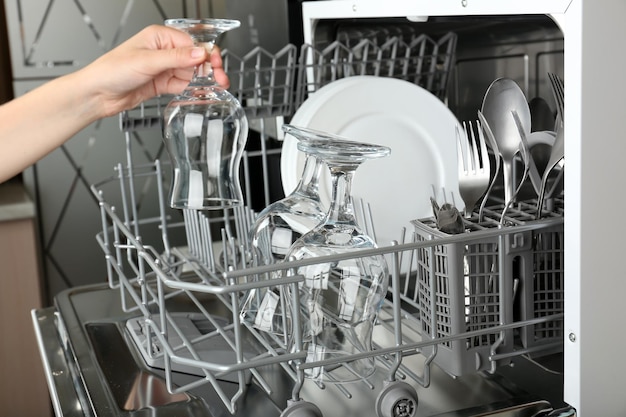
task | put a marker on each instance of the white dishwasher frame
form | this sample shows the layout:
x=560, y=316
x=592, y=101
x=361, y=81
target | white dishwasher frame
x=592, y=261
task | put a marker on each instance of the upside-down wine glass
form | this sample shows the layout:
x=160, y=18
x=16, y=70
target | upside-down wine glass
x=275, y=229
x=205, y=130
x=340, y=299
x=281, y=223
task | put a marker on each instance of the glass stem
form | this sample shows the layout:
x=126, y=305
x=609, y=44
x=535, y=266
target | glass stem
x=341, y=208
x=309, y=182
x=203, y=73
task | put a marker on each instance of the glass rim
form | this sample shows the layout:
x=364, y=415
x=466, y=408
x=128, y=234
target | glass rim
x=320, y=142
x=186, y=23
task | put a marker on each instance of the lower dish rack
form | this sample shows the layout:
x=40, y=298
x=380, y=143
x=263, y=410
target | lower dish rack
x=465, y=303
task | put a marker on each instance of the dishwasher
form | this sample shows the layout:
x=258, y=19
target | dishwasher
x=471, y=324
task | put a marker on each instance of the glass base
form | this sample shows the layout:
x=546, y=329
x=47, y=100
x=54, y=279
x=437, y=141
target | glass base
x=268, y=309
x=344, y=371
x=206, y=204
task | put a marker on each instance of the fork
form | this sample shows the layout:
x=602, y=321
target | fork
x=473, y=166
x=558, y=91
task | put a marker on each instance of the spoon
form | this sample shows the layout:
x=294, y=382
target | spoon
x=556, y=156
x=502, y=97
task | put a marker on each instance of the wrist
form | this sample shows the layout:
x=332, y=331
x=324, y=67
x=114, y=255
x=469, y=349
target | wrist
x=82, y=96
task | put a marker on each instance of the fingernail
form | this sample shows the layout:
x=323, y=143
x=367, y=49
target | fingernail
x=197, y=52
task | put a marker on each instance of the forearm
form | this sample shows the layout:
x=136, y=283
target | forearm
x=33, y=125
x=158, y=60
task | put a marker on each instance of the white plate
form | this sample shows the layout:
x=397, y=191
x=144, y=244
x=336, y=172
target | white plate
x=416, y=125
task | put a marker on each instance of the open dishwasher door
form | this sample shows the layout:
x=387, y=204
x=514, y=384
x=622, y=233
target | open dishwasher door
x=94, y=368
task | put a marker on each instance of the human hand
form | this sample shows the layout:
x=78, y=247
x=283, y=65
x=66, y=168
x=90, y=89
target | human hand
x=157, y=60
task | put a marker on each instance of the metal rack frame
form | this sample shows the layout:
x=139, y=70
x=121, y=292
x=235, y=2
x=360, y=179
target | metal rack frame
x=221, y=269
x=147, y=278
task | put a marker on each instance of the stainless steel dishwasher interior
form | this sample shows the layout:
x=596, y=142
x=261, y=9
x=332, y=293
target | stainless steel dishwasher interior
x=521, y=47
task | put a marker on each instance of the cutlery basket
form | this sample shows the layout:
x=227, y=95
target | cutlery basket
x=539, y=261
x=542, y=291
x=481, y=282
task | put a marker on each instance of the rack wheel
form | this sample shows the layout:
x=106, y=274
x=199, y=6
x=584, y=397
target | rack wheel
x=301, y=409
x=397, y=399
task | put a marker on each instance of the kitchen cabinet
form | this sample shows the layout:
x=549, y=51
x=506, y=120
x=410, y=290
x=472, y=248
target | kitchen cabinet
x=23, y=389
x=594, y=147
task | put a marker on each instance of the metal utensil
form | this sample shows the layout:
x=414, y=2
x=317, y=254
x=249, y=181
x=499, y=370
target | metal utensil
x=558, y=91
x=533, y=172
x=503, y=96
x=474, y=166
x=540, y=145
x=557, y=155
x=494, y=147
x=526, y=160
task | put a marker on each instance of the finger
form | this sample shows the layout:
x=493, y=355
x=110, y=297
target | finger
x=216, y=57
x=163, y=60
x=174, y=86
x=218, y=70
x=221, y=78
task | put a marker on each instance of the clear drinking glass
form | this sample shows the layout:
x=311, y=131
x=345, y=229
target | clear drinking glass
x=281, y=223
x=275, y=229
x=340, y=299
x=205, y=130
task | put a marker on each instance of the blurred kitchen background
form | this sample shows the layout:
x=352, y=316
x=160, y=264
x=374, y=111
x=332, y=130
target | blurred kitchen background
x=48, y=215
x=49, y=38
